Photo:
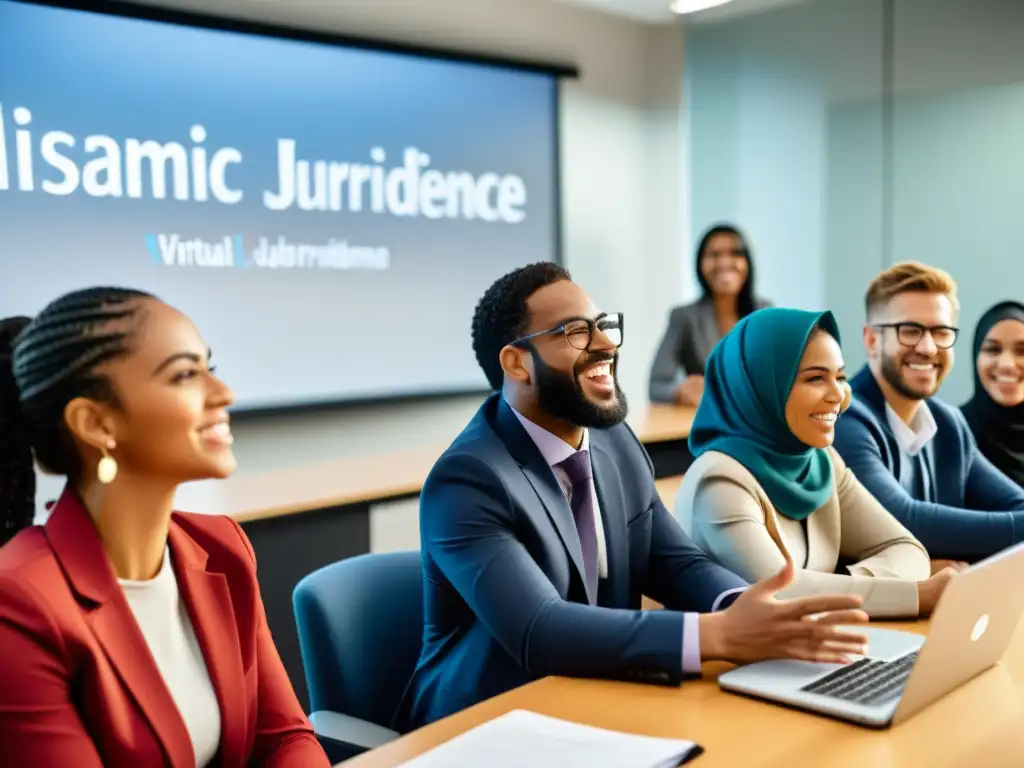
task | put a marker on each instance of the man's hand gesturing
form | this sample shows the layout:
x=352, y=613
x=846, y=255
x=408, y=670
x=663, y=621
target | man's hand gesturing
x=759, y=626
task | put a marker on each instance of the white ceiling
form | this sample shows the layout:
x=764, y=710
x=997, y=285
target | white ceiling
x=656, y=11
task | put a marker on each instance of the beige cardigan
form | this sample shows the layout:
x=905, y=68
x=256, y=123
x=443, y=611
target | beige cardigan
x=726, y=511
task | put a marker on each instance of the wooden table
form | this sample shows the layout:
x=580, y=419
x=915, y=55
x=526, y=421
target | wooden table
x=668, y=487
x=664, y=430
x=303, y=518
x=980, y=724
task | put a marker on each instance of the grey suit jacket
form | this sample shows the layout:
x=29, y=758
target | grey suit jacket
x=691, y=335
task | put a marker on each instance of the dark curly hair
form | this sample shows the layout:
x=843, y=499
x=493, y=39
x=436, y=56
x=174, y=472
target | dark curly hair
x=44, y=364
x=501, y=315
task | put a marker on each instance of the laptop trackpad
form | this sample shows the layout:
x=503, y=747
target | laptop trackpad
x=788, y=675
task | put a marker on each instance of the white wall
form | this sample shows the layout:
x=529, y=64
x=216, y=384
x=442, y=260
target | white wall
x=759, y=88
x=788, y=137
x=959, y=161
x=756, y=131
x=622, y=210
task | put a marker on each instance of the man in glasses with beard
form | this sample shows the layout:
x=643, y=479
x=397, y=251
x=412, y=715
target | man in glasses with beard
x=914, y=453
x=541, y=529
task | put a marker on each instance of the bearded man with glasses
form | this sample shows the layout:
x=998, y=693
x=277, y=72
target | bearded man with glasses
x=541, y=529
x=915, y=453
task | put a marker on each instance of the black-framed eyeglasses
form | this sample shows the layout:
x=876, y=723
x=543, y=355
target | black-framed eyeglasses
x=910, y=334
x=580, y=331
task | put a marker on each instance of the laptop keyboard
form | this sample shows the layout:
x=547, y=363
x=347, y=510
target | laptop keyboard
x=867, y=681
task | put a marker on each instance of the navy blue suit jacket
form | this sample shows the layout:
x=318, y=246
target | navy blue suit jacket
x=949, y=496
x=504, y=597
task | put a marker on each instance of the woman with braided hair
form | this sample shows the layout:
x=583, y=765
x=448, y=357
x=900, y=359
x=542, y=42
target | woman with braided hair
x=130, y=634
x=17, y=476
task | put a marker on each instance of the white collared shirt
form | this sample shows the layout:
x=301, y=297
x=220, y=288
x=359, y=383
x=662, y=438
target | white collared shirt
x=914, y=436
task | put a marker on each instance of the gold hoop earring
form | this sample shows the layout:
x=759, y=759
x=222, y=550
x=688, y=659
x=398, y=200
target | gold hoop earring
x=106, y=470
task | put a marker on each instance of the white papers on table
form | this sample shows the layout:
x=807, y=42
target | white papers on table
x=521, y=739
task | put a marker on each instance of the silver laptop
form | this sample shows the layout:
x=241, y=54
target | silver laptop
x=903, y=673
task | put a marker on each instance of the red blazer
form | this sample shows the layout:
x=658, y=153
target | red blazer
x=78, y=686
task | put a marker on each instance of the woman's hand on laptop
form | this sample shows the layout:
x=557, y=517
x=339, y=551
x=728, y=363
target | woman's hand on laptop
x=930, y=590
x=759, y=626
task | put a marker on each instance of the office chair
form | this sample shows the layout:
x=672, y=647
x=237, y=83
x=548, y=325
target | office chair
x=360, y=623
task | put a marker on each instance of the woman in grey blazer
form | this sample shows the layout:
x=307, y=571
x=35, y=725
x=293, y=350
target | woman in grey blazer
x=725, y=272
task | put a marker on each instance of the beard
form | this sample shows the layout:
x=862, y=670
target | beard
x=561, y=396
x=891, y=372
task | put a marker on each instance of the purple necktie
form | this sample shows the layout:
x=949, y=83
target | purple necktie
x=577, y=467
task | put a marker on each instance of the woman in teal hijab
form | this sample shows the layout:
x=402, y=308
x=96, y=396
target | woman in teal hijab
x=766, y=485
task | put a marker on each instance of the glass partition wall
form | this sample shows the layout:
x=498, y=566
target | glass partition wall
x=846, y=135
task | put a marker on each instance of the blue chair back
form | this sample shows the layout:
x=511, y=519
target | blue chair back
x=360, y=624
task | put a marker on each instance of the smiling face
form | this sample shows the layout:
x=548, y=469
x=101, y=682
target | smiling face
x=817, y=395
x=724, y=265
x=575, y=386
x=913, y=372
x=172, y=422
x=1001, y=363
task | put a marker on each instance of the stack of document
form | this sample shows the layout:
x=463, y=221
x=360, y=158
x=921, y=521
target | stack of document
x=521, y=739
